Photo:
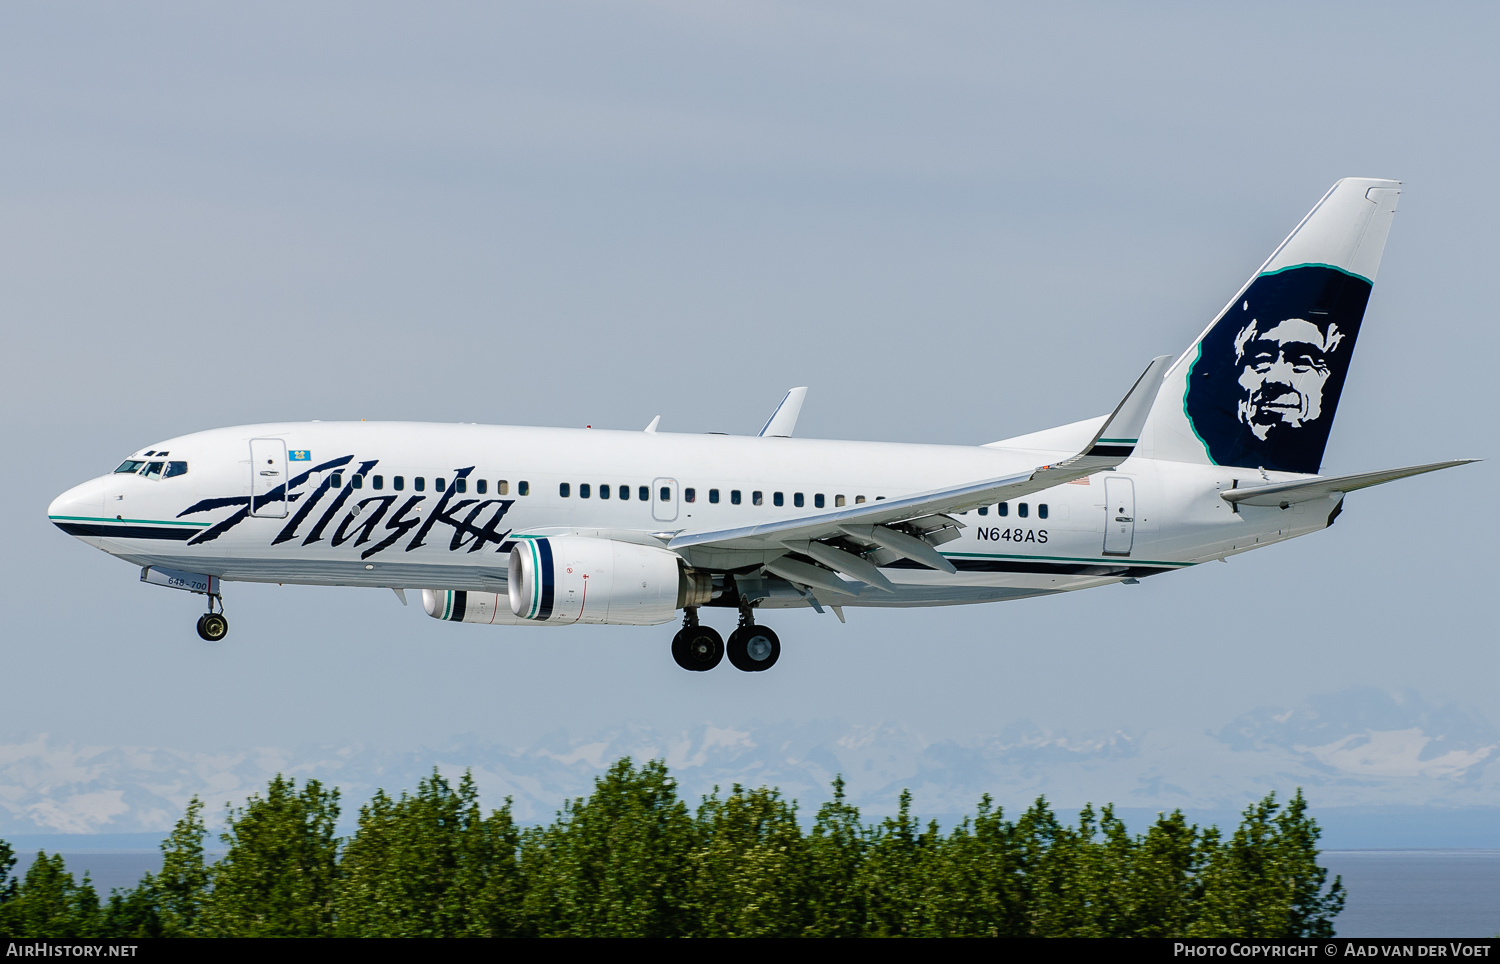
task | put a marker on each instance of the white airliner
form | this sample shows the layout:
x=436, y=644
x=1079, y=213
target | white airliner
x=1208, y=455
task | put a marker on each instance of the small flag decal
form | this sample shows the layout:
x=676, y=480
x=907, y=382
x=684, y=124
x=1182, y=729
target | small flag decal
x=301, y=455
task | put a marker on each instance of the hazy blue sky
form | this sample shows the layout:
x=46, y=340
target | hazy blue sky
x=954, y=222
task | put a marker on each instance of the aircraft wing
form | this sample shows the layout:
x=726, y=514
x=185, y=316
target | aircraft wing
x=1283, y=494
x=1113, y=444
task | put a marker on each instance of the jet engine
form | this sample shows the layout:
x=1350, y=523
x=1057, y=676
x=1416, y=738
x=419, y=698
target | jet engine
x=577, y=579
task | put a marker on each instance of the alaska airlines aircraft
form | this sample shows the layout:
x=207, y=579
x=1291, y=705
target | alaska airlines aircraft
x=1210, y=454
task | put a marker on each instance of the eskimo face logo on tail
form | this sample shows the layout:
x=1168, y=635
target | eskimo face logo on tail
x=1264, y=388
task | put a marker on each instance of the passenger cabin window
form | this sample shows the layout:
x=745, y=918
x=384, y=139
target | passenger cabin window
x=713, y=496
x=583, y=490
x=624, y=493
x=439, y=483
x=666, y=493
x=129, y=467
x=818, y=501
x=1041, y=511
x=690, y=495
x=418, y=483
x=1002, y=509
x=1022, y=509
x=778, y=499
x=398, y=482
x=522, y=488
x=756, y=498
x=358, y=481
x=797, y=499
x=564, y=490
x=644, y=493
x=734, y=496
x=335, y=481
x=603, y=491
x=838, y=501
x=502, y=487
x=377, y=483
x=858, y=499
x=984, y=510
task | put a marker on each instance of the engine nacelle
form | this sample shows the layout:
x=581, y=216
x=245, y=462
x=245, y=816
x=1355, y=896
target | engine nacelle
x=577, y=579
x=469, y=606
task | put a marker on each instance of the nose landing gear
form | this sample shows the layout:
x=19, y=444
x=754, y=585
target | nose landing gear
x=212, y=626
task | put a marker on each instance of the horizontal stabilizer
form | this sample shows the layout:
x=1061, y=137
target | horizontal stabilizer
x=1284, y=494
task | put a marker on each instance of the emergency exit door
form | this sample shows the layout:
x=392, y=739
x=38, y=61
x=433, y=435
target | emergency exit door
x=268, y=478
x=664, y=500
x=1119, y=515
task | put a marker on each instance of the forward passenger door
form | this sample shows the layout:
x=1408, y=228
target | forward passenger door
x=267, y=473
x=664, y=500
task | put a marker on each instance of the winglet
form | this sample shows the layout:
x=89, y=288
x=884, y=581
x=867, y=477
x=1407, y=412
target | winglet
x=1119, y=433
x=654, y=422
x=784, y=419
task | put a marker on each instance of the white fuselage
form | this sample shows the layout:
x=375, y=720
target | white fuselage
x=512, y=481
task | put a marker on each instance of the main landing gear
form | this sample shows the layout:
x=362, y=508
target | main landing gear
x=751, y=648
x=697, y=648
x=212, y=626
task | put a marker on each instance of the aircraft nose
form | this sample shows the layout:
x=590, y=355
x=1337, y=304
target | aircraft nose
x=84, y=501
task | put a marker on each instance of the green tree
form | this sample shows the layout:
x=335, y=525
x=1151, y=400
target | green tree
x=168, y=903
x=897, y=875
x=835, y=852
x=277, y=878
x=1164, y=888
x=615, y=864
x=976, y=884
x=430, y=865
x=49, y=903
x=1264, y=881
x=8, y=886
x=749, y=868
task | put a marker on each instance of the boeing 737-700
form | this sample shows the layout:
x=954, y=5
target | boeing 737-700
x=1214, y=452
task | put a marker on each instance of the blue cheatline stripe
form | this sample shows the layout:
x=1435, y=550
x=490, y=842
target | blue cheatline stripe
x=545, y=545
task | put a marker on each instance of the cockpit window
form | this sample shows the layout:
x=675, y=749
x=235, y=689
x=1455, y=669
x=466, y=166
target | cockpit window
x=153, y=471
x=175, y=469
x=130, y=466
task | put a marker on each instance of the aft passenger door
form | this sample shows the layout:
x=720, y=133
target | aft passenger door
x=1119, y=515
x=664, y=500
x=267, y=475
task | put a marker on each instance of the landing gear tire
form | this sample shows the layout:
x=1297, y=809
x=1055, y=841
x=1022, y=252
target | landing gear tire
x=753, y=649
x=697, y=648
x=213, y=627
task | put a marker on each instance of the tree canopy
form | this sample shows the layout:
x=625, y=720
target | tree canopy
x=634, y=859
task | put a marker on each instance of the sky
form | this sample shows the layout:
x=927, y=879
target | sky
x=953, y=222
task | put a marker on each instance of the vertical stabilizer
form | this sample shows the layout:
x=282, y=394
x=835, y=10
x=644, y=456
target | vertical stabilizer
x=1260, y=386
